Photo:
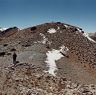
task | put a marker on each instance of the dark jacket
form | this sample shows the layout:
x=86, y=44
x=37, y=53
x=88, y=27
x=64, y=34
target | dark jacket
x=14, y=56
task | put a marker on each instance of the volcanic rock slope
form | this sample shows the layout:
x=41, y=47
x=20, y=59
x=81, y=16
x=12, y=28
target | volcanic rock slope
x=33, y=74
x=70, y=36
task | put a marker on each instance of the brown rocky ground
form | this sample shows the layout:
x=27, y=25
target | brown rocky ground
x=28, y=79
x=76, y=74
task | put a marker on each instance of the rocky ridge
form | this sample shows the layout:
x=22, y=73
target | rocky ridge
x=67, y=35
x=32, y=44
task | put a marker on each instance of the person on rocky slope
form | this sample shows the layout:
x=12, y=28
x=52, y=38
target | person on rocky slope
x=14, y=58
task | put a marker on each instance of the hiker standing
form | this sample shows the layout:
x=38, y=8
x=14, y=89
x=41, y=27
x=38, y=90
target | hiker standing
x=14, y=58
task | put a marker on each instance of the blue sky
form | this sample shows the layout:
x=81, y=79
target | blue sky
x=26, y=13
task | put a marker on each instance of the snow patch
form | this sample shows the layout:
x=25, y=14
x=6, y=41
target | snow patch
x=44, y=38
x=66, y=26
x=52, y=57
x=64, y=49
x=58, y=28
x=51, y=30
x=2, y=29
x=87, y=36
x=44, y=41
x=80, y=30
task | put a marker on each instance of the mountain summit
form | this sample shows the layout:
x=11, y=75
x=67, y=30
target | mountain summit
x=53, y=58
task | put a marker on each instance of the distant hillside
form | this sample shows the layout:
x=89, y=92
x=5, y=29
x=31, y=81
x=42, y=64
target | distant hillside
x=93, y=35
